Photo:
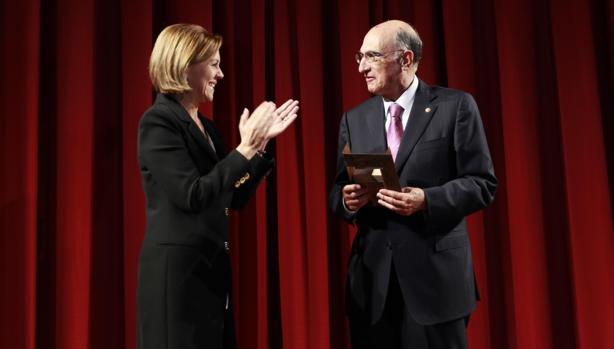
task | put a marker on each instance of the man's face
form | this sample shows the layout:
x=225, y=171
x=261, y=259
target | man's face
x=380, y=65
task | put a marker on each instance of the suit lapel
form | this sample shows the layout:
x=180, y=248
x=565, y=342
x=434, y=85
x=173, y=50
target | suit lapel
x=419, y=117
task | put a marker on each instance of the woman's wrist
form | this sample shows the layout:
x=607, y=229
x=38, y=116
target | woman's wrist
x=261, y=153
x=247, y=151
x=261, y=148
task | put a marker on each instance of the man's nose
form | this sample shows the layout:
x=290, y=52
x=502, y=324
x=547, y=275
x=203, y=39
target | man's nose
x=362, y=66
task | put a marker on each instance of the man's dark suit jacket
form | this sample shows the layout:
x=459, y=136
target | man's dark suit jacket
x=444, y=152
x=184, y=274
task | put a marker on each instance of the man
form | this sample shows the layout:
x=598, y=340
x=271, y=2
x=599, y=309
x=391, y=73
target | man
x=410, y=280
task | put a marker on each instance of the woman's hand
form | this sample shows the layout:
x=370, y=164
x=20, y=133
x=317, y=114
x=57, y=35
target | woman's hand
x=283, y=117
x=265, y=123
x=254, y=128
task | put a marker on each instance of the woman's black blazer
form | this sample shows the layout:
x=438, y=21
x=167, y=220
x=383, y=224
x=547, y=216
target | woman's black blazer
x=189, y=186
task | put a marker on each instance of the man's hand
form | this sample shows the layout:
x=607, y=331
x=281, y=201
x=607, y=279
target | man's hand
x=406, y=202
x=354, y=197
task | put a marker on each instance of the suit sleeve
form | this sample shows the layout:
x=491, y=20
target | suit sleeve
x=260, y=166
x=162, y=151
x=476, y=184
x=335, y=198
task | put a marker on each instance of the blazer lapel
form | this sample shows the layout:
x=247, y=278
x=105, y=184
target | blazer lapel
x=193, y=129
x=419, y=117
x=220, y=151
x=201, y=139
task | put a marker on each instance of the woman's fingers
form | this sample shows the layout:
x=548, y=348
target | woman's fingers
x=288, y=120
x=243, y=117
x=263, y=115
x=293, y=112
x=287, y=108
x=287, y=105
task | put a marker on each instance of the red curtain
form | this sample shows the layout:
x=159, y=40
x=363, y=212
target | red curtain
x=74, y=84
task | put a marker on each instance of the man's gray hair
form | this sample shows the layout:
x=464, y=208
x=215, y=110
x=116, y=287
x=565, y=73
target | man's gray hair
x=410, y=40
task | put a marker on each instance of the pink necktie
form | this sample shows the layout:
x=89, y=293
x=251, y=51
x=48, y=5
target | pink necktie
x=395, y=129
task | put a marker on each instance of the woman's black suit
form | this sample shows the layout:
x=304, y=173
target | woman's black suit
x=184, y=269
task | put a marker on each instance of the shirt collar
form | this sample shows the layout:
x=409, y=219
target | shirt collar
x=406, y=100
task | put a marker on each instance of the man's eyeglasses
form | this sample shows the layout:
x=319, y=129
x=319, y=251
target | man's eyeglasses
x=372, y=56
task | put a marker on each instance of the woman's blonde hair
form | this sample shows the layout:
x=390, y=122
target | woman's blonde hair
x=178, y=46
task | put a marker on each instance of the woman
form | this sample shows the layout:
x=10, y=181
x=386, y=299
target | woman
x=190, y=184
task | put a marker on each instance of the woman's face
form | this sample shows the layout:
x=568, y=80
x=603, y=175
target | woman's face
x=202, y=77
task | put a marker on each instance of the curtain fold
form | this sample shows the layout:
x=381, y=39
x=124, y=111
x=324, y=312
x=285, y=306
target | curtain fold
x=74, y=84
x=19, y=188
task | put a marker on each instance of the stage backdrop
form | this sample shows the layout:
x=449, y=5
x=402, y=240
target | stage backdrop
x=74, y=84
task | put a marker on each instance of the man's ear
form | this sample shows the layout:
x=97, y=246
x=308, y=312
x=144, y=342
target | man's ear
x=407, y=58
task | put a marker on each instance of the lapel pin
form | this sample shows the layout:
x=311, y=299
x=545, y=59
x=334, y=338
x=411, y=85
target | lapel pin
x=428, y=109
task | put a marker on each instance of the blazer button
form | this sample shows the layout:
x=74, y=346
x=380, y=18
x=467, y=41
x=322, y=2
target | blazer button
x=226, y=211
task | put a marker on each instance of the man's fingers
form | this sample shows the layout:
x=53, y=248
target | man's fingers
x=354, y=202
x=388, y=206
x=407, y=189
x=392, y=200
x=392, y=193
x=351, y=187
x=356, y=194
x=359, y=194
x=406, y=211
